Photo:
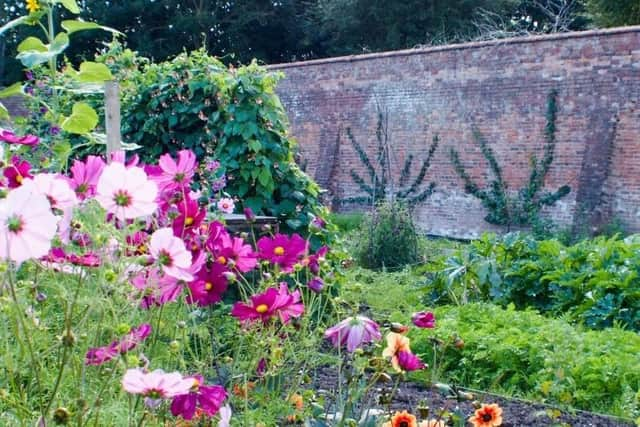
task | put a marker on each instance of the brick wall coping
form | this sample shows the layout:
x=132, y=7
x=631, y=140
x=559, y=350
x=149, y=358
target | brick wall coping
x=460, y=46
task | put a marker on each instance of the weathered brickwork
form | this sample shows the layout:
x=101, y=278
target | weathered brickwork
x=501, y=87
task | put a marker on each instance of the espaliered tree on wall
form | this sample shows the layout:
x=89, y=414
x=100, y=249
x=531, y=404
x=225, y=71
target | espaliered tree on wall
x=522, y=209
x=380, y=183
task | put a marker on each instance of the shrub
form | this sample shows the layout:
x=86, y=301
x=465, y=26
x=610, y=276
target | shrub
x=529, y=355
x=388, y=238
x=195, y=102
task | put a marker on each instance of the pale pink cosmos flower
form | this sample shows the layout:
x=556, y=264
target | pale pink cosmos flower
x=61, y=197
x=354, y=332
x=27, y=224
x=126, y=192
x=171, y=254
x=156, y=385
x=225, y=416
x=226, y=205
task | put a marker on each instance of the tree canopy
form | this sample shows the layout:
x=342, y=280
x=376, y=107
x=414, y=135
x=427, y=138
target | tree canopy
x=284, y=30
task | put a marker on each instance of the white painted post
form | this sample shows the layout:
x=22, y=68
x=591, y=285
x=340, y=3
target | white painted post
x=112, y=116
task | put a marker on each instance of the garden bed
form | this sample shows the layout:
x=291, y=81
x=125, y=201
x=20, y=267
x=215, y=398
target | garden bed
x=412, y=397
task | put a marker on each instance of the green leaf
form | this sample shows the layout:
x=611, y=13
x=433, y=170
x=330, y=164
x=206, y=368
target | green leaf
x=31, y=58
x=13, y=90
x=70, y=5
x=255, y=145
x=264, y=177
x=83, y=119
x=62, y=150
x=72, y=26
x=93, y=72
x=32, y=43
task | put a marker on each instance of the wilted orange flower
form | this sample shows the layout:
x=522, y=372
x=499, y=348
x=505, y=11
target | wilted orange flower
x=487, y=416
x=402, y=419
x=242, y=390
x=395, y=344
x=297, y=401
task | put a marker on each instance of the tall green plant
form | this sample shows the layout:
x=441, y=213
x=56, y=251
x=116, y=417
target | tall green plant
x=523, y=208
x=380, y=184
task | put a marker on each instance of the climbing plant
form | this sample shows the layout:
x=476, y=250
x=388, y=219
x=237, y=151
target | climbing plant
x=380, y=183
x=522, y=208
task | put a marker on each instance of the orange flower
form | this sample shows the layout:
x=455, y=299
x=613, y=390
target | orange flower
x=395, y=344
x=242, y=390
x=402, y=419
x=487, y=416
x=432, y=423
x=297, y=401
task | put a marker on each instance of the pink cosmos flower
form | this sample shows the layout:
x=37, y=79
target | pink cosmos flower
x=282, y=250
x=399, y=351
x=354, y=332
x=407, y=361
x=16, y=172
x=235, y=253
x=171, y=254
x=126, y=192
x=208, y=398
x=424, y=319
x=176, y=174
x=120, y=157
x=11, y=138
x=100, y=355
x=85, y=175
x=313, y=261
x=226, y=205
x=273, y=302
x=316, y=284
x=157, y=384
x=27, y=224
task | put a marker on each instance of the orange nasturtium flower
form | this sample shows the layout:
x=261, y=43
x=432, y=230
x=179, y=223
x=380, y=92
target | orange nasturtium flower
x=487, y=416
x=402, y=419
x=32, y=5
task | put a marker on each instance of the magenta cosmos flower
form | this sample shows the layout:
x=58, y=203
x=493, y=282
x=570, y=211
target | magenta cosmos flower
x=234, y=253
x=354, y=332
x=207, y=398
x=17, y=171
x=282, y=250
x=27, y=224
x=190, y=216
x=11, y=138
x=85, y=175
x=156, y=385
x=209, y=285
x=273, y=302
x=424, y=319
x=100, y=355
x=171, y=254
x=174, y=174
x=126, y=192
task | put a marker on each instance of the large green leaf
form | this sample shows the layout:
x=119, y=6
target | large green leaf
x=83, y=119
x=31, y=58
x=70, y=5
x=93, y=72
x=32, y=43
x=72, y=26
x=13, y=90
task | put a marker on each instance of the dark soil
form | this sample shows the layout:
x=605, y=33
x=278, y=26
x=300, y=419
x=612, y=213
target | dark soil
x=411, y=396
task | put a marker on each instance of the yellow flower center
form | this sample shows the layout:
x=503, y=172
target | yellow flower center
x=262, y=308
x=279, y=250
x=19, y=179
x=222, y=260
x=208, y=286
x=188, y=221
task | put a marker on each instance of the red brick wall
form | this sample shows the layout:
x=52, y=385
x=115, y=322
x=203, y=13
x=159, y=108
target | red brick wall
x=501, y=87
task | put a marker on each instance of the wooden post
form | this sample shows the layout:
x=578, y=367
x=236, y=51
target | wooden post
x=112, y=116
